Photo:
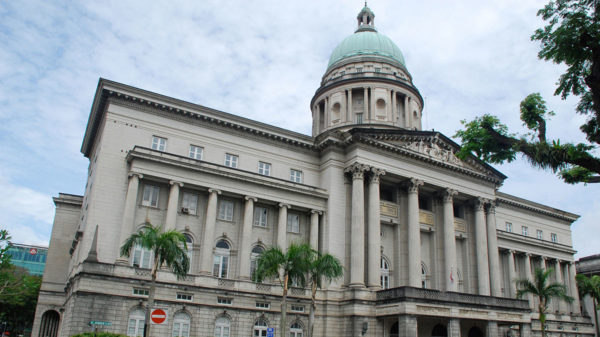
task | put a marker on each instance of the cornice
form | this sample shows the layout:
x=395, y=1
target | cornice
x=513, y=201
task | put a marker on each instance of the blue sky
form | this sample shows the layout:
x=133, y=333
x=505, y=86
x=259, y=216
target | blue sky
x=262, y=60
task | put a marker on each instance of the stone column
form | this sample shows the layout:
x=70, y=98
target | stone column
x=414, y=234
x=450, y=265
x=393, y=108
x=511, y=286
x=327, y=112
x=372, y=104
x=407, y=326
x=575, y=308
x=543, y=263
x=365, y=104
x=129, y=212
x=172, y=205
x=492, y=329
x=407, y=114
x=350, y=112
x=318, y=119
x=357, y=251
x=209, y=232
x=282, y=227
x=528, y=276
x=245, y=243
x=481, y=249
x=493, y=256
x=314, y=229
x=374, y=230
x=454, y=327
x=560, y=304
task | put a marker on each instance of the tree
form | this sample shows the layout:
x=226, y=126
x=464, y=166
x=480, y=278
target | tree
x=590, y=286
x=18, y=297
x=169, y=249
x=4, y=245
x=544, y=291
x=571, y=37
x=322, y=266
x=289, y=266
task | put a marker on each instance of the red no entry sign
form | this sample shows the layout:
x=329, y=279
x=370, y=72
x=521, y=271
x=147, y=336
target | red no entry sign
x=33, y=251
x=158, y=316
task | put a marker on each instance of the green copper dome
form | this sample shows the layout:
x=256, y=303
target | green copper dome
x=366, y=42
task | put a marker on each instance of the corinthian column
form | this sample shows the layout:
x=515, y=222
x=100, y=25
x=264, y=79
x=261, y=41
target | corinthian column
x=209, y=232
x=414, y=234
x=357, y=250
x=314, y=229
x=246, y=237
x=511, y=286
x=481, y=248
x=129, y=211
x=282, y=227
x=374, y=230
x=528, y=276
x=172, y=205
x=493, y=256
x=449, y=241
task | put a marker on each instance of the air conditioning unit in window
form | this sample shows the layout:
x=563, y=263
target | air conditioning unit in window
x=185, y=210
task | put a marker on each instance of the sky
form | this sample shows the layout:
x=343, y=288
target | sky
x=261, y=60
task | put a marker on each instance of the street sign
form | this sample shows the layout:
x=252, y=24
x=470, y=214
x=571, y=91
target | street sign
x=158, y=316
x=100, y=323
x=33, y=251
x=270, y=332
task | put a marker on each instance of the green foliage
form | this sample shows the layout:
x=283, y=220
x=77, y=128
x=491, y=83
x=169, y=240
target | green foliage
x=322, y=266
x=18, y=297
x=590, y=286
x=99, y=334
x=480, y=137
x=4, y=245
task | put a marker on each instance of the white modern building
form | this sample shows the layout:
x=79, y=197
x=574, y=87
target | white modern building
x=429, y=245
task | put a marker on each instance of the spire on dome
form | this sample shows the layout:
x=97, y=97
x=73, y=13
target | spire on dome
x=366, y=19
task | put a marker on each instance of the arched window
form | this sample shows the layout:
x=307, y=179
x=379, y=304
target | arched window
x=222, y=327
x=424, y=276
x=221, y=259
x=181, y=325
x=49, y=325
x=189, y=242
x=260, y=328
x=385, y=273
x=296, y=330
x=142, y=257
x=135, y=325
x=256, y=251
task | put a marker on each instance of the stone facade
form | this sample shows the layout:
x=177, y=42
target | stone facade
x=429, y=246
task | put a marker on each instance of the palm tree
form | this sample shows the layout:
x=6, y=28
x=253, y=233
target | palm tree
x=322, y=266
x=544, y=291
x=289, y=266
x=590, y=286
x=169, y=249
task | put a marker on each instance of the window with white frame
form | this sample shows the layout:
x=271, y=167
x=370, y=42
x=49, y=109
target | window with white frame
x=263, y=305
x=297, y=308
x=509, y=227
x=196, y=152
x=225, y=300
x=225, y=210
x=221, y=259
x=189, y=243
x=524, y=230
x=159, y=143
x=135, y=325
x=150, y=197
x=296, y=330
x=264, y=168
x=296, y=176
x=260, y=328
x=254, y=255
x=181, y=325
x=424, y=276
x=142, y=257
x=359, y=118
x=539, y=234
x=260, y=216
x=231, y=160
x=293, y=223
x=189, y=203
x=184, y=297
x=141, y=292
x=385, y=273
x=222, y=327
x=553, y=237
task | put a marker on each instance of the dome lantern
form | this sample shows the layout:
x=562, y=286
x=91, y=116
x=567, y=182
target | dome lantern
x=366, y=20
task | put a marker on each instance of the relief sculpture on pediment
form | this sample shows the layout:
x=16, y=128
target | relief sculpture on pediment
x=433, y=150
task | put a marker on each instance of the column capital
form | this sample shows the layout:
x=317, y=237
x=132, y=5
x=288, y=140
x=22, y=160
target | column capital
x=132, y=174
x=448, y=194
x=491, y=206
x=479, y=203
x=527, y=254
x=376, y=173
x=173, y=182
x=413, y=185
x=282, y=205
x=214, y=190
x=357, y=170
x=248, y=197
x=313, y=211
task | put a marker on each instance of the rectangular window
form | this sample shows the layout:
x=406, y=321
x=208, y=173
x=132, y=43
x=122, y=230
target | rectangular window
x=225, y=210
x=296, y=176
x=540, y=234
x=359, y=118
x=263, y=305
x=141, y=257
x=189, y=204
x=425, y=203
x=524, y=230
x=140, y=292
x=264, y=168
x=509, y=227
x=159, y=143
x=459, y=211
x=225, y=300
x=196, y=152
x=184, y=297
x=150, y=197
x=553, y=237
x=377, y=70
x=297, y=308
x=293, y=223
x=359, y=69
x=231, y=160
x=260, y=217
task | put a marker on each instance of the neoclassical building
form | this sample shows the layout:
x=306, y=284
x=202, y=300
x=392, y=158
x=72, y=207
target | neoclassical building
x=429, y=245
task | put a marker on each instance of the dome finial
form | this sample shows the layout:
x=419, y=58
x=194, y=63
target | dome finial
x=366, y=19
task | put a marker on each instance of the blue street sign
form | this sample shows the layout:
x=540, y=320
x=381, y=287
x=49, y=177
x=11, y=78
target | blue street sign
x=270, y=332
x=100, y=323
